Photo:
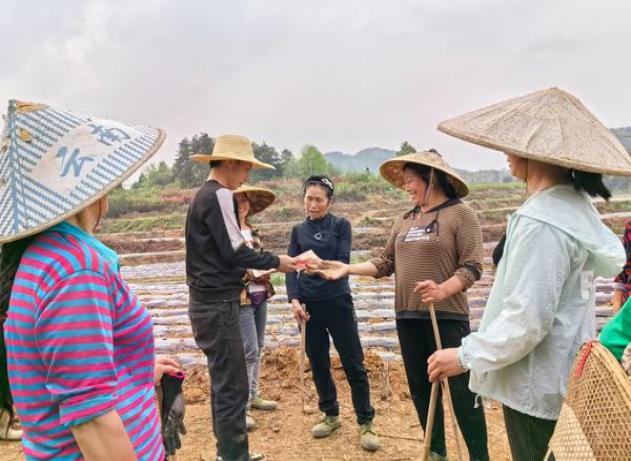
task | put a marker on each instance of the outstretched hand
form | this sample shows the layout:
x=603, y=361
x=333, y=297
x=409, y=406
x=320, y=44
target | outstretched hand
x=287, y=264
x=329, y=270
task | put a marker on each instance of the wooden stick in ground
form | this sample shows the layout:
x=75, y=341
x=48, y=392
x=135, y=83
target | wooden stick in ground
x=429, y=427
x=303, y=325
x=445, y=383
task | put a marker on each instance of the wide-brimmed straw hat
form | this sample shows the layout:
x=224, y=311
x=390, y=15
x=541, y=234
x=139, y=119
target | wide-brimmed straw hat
x=54, y=163
x=550, y=126
x=232, y=147
x=392, y=170
x=259, y=197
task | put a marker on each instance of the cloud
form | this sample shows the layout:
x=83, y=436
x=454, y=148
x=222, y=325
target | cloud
x=342, y=74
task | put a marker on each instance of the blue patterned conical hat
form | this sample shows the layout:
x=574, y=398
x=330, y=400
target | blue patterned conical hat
x=54, y=163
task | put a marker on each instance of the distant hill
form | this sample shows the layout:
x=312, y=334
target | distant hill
x=369, y=158
x=624, y=135
x=502, y=175
x=372, y=157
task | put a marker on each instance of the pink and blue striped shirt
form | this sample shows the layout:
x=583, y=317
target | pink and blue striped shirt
x=79, y=344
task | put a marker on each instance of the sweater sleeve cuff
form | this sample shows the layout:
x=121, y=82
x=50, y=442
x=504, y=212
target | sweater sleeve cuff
x=83, y=408
x=619, y=287
x=466, y=277
x=463, y=354
x=276, y=260
x=383, y=268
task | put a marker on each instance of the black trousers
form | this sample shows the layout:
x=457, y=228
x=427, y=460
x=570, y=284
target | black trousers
x=416, y=338
x=217, y=333
x=528, y=436
x=336, y=317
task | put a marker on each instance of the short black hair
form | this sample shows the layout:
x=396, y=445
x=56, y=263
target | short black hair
x=215, y=163
x=322, y=181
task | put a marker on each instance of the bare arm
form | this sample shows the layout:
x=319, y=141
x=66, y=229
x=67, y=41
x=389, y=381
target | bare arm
x=616, y=301
x=335, y=270
x=99, y=436
x=367, y=269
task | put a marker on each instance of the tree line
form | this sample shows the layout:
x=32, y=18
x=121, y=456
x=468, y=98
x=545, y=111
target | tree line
x=186, y=173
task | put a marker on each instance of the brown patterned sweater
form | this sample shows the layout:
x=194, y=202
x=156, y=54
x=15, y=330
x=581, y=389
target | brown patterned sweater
x=434, y=245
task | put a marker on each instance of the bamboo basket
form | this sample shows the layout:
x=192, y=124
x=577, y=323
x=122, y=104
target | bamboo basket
x=595, y=419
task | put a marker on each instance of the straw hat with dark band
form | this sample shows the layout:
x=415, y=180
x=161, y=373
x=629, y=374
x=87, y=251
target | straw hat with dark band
x=550, y=126
x=231, y=147
x=259, y=197
x=392, y=170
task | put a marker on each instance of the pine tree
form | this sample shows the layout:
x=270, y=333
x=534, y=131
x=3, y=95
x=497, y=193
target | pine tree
x=266, y=154
x=202, y=144
x=405, y=149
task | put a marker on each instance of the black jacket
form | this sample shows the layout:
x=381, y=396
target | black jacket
x=329, y=238
x=216, y=253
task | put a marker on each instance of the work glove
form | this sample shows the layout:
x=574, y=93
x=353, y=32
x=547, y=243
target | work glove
x=173, y=408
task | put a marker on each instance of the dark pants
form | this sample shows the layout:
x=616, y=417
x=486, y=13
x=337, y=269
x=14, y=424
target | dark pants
x=337, y=317
x=217, y=332
x=528, y=436
x=416, y=338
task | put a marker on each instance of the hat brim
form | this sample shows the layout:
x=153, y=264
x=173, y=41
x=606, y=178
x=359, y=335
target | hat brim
x=259, y=200
x=550, y=126
x=392, y=171
x=59, y=199
x=206, y=158
x=561, y=160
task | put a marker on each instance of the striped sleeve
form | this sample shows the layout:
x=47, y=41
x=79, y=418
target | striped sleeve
x=385, y=261
x=74, y=334
x=470, y=248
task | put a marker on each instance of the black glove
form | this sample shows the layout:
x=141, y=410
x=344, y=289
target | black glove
x=173, y=407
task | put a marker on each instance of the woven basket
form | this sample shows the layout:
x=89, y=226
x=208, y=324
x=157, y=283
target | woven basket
x=595, y=420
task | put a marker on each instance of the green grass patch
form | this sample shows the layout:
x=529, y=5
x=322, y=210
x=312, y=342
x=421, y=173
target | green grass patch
x=126, y=201
x=278, y=279
x=496, y=186
x=143, y=224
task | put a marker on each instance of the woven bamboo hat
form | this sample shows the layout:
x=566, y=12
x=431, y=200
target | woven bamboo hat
x=392, y=170
x=550, y=126
x=54, y=163
x=259, y=197
x=232, y=147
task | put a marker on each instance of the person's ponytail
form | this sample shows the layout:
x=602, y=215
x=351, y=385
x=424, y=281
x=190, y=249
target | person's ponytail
x=592, y=183
x=10, y=256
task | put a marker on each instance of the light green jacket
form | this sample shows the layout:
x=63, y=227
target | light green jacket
x=541, y=307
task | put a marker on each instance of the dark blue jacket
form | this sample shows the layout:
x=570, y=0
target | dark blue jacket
x=329, y=238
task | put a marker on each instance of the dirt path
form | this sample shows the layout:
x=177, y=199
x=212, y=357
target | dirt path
x=284, y=435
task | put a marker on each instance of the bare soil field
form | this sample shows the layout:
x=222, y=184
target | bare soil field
x=284, y=435
x=152, y=261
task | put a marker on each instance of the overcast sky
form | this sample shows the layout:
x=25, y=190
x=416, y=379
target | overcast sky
x=340, y=74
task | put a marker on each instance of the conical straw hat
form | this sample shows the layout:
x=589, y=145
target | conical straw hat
x=259, y=197
x=54, y=163
x=232, y=147
x=392, y=170
x=550, y=126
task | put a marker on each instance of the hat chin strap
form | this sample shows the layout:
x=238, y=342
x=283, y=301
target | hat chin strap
x=98, y=218
x=526, y=175
x=428, y=189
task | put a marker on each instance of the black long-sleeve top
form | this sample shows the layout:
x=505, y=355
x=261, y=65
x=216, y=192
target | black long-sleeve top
x=216, y=252
x=329, y=238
